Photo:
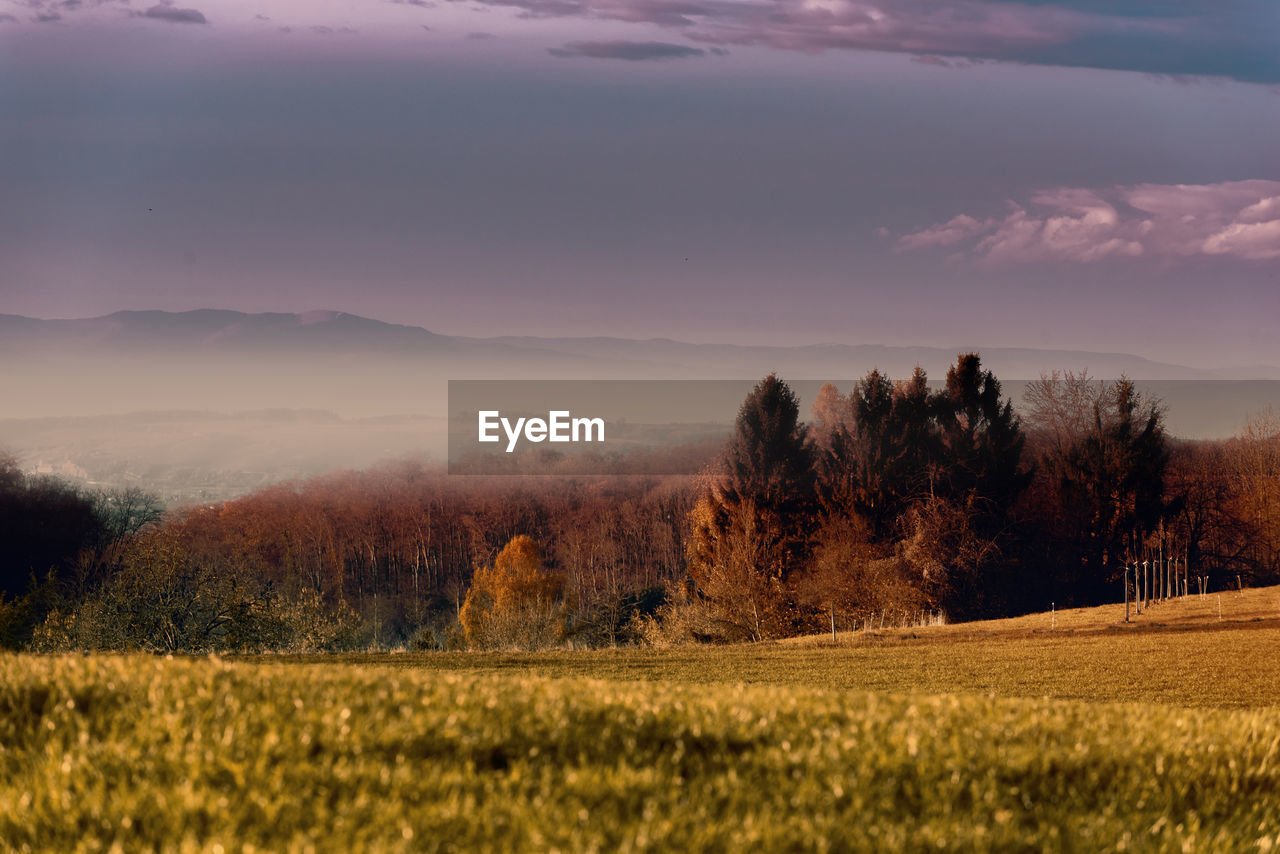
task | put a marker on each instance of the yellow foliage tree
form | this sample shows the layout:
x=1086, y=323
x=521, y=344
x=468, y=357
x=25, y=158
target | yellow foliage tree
x=516, y=602
x=728, y=545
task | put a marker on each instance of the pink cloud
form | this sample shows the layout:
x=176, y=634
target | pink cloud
x=945, y=234
x=1259, y=241
x=1239, y=219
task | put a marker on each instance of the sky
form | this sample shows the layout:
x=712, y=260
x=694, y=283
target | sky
x=1082, y=174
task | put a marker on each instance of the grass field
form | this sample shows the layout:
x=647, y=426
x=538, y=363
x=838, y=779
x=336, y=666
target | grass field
x=1177, y=652
x=1161, y=735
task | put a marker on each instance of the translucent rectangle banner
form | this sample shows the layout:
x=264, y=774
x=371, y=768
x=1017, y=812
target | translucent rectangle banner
x=586, y=427
x=679, y=427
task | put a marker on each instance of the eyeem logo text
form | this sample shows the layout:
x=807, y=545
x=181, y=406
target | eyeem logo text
x=559, y=426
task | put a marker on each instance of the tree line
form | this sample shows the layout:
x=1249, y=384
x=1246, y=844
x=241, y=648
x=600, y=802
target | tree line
x=897, y=497
x=352, y=560
x=893, y=498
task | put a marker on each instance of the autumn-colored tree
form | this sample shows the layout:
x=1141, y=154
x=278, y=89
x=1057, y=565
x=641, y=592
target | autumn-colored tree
x=831, y=438
x=951, y=553
x=1207, y=525
x=730, y=546
x=853, y=577
x=399, y=543
x=752, y=526
x=515, y=603
x=159, y=599
x=1253, y=461
x=910, y=462
x=832, y=415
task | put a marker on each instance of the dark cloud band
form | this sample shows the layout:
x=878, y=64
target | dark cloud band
x=626, y=50
x=162, y=12
x=1194, y=38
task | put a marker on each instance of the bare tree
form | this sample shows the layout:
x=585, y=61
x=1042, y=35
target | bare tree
x=1059, y=407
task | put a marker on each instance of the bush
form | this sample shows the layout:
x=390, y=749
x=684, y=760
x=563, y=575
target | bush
x=159, y=599
x=685, y=618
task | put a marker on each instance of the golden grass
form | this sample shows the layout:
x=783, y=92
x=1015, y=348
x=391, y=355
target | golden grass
x=1177, y=652
x=1000, y=736
x=1180, y=613
x=140, y=753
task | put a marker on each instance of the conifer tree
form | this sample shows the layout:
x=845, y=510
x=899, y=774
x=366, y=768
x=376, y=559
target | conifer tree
x=751, y=530
x=982, y=438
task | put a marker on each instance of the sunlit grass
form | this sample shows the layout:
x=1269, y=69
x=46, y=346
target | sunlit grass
x=995, y=736
x=144, y=752
x=1177, y=652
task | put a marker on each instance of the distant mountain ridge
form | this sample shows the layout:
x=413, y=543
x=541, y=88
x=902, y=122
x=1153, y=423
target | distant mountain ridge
x=205, y=405
x=214, y=329
x=332, y=334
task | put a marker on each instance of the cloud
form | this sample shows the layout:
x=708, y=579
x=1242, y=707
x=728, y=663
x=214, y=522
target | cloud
x=480, y=36
x=174, y=15
x=52, y=11
x=632, y=51
x=1239, y=219
x=948, y=233
x=953, y=62
x=1189, y=38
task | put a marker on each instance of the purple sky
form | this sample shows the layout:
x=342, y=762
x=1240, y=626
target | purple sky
x=1089, y=174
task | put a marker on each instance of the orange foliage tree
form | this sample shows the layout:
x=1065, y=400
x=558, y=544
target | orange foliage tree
x=515, y=603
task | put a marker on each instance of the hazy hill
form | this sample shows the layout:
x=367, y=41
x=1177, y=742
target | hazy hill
x=229, y=360
x=842, y=360
x=65, y=383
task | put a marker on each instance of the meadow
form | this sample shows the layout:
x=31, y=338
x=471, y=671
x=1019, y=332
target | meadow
x=1066, y=732
x=1178, y=652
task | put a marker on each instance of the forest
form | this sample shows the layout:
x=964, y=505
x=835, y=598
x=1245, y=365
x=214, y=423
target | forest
x=892, y=501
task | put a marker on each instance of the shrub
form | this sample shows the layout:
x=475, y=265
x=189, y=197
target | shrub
x=159, y=599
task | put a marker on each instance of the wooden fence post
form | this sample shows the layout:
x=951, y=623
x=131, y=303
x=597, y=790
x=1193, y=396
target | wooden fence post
x=1137, y=588
x=1126, y=592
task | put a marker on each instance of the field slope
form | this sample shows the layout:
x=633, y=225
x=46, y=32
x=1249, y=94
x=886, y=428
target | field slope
x=672, y=751
x=1177, y=652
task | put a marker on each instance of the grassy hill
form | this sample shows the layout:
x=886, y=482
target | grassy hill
x=992, y=736
x=1177, y=652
